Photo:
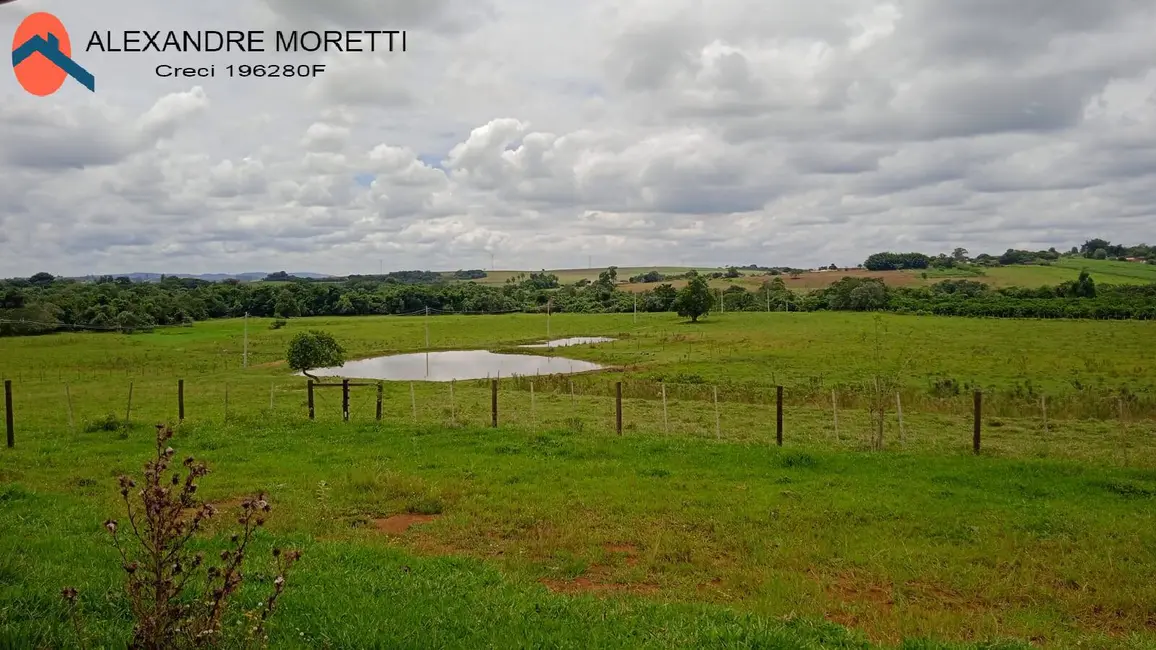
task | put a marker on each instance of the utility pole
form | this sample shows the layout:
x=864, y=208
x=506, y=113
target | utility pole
x=768, y=301
x=549, y=304
x=245, y=360
x=721, y=306
x=491, y=260
x=427, y=328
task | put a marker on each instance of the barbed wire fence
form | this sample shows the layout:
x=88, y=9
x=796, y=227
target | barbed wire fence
x=840, y=418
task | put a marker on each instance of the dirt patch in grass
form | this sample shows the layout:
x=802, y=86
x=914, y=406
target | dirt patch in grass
x=270, y=364
x=862, y=603
x=398, y=524
x=630, y=551
x=714, y=585
x=1115, y=622
x=852, y=588
x=594, y=582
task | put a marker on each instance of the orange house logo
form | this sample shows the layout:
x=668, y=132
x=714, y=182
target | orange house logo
x=42, y=56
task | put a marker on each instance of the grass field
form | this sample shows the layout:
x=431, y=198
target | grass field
x=690, y=530
x=1063, y=270
x=570, y=276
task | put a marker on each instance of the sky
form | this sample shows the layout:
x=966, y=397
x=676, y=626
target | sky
x=534, y=134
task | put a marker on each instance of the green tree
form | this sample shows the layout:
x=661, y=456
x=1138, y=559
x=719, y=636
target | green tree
x=42, y=279
x=869, y=296
x=1092, y=246
x=286, y=305
x=1100, y=254
x=314, y=349
x=695, y=299
x=1084, y=287
x=662, y=298
x=131, y=322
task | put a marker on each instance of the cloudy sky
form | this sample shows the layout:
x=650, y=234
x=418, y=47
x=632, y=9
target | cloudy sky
x=547, y=133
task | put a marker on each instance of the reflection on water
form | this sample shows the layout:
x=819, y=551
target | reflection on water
x=457, y=364
x=576, y=340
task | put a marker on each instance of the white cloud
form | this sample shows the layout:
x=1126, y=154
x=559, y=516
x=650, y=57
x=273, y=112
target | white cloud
x=634, y=131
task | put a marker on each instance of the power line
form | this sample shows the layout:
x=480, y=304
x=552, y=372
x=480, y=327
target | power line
x=59, y=325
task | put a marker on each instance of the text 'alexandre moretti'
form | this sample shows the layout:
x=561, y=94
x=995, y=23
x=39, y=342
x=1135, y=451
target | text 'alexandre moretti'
x=248, y=41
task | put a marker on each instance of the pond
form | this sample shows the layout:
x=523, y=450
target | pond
x=575, y=340
x=455, y=364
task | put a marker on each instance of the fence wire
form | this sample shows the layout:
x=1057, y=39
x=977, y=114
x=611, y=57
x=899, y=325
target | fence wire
x=838, y=418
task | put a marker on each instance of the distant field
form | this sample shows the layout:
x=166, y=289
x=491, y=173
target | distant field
x=1064, y=270
x=570, y=276
x=1103, y=272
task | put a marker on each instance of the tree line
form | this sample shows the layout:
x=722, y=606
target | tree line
x=1099, y=249
x=42, y=303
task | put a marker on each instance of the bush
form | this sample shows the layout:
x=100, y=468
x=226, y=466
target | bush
x=108, y=423
x=161, y=571
x=278, y=324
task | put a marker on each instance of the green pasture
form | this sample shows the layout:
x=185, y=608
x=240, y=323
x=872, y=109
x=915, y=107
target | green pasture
x=690, y=529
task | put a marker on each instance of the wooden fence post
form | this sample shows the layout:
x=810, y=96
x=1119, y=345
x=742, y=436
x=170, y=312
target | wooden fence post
x=835, y=411
x=665, y=421
x=309, y=391
x=8, y=419
x=618, y=407
x=453, y=408
x=779, y=415
x=68, y=398
x=494, y=402
x=181, y=400
x=899, y=413
x=345, y=400
x=380, y=394
x=978, y=419
x=128, y=409
x=717, y=420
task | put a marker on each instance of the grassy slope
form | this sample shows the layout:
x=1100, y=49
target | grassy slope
x=1103, y=271
x=570, y=276
x=762, y=348
x=895, y=545
x=1046, y=536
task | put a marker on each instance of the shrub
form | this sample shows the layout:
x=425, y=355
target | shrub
x=163, y=517
x=107, y=423
x=278, y=324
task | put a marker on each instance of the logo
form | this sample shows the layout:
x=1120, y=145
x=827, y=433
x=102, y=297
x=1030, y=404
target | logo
x=42, y=56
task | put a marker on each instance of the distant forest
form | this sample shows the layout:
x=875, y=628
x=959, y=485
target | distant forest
x=44, y=303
